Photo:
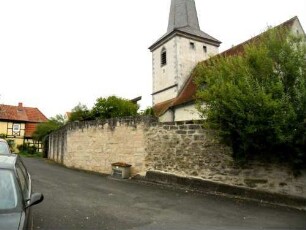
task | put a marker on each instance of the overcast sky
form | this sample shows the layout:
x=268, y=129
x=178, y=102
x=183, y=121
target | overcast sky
x=57, y=53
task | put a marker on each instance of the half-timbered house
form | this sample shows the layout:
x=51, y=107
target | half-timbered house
x=18, y=123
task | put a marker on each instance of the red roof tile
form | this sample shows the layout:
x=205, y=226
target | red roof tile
x=161, y=108
x=188, y=92
x=239, y=49
x=30, y=129
x=20, y=113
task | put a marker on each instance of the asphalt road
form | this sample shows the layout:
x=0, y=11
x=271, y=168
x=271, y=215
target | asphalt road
x=79, y=200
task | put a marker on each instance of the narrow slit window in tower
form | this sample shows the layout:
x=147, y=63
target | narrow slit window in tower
x=163, y=57
x=205, y=49
x=192, y=46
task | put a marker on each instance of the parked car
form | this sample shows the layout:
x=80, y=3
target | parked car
x=4, y=147
x=16, y=196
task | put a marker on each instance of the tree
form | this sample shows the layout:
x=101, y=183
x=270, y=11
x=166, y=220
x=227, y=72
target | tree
x=59, y=119
x=44, y=129
x=80, y=113
x=114, y=107
x=148, y=112
x=258, y=100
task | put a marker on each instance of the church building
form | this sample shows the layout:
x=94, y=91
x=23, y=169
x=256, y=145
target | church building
x=176, y=54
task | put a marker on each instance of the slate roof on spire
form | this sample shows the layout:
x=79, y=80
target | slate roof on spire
x=183, y=20
x=183, y=13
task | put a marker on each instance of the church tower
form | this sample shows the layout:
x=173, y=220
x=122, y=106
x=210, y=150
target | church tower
x=176, y=53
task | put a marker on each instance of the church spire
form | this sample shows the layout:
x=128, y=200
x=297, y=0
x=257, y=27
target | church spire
x=183, y=21
x=183, y=13
x=176, y=53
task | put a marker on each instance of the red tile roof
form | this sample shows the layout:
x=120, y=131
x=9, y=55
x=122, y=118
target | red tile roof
x=188, y=92
x=20, y=113
x=30, y=129
x=161, y=108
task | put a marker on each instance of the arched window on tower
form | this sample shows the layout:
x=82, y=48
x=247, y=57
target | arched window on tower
x=163, y=57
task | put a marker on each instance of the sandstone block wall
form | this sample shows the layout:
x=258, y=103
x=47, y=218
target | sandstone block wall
x=95, y=145
x=181, y=148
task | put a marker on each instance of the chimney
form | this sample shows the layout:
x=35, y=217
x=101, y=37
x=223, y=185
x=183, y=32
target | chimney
x=20, y=106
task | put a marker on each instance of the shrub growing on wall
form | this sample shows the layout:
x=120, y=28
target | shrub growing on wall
x=257, y=100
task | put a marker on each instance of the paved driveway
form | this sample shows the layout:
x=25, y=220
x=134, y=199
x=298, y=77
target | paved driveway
x=78, y=200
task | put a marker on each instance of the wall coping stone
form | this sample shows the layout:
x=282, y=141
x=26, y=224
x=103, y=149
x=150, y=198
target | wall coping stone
x=112, y=123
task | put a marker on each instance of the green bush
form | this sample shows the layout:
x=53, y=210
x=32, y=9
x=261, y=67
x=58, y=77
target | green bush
x=80, y=113
x=258, y=100
x=148, y=112
x=112, y=107
x=27, y=148
x=11, y=144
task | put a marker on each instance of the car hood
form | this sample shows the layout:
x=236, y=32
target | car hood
x=10, y=221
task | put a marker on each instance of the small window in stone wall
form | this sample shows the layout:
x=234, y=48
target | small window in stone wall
x=205, y=49
x=192, y=45
x=163, y=57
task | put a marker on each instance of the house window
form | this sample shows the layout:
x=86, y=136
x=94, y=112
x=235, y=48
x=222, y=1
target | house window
x=16, y=128
x=163, y=57
x=205, y=49
x=192, y=46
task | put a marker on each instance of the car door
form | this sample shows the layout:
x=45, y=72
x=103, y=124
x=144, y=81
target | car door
x=25, y=185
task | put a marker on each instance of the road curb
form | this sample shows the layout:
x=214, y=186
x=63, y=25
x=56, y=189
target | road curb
x=224, y=189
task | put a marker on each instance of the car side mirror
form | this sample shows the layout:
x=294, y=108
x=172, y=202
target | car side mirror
x=36, y=198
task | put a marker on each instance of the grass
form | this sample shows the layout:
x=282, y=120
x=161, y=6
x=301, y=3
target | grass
x=26, y=154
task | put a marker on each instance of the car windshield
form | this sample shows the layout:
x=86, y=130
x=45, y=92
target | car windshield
x=4, y=148
x=8, y=191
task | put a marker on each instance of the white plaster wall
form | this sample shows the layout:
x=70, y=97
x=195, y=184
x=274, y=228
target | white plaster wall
x=166, y=117
x=188, y=57
x=181, y=59
x=164, y=76
x=188, y=112
x=165, y=95
x=297, y=28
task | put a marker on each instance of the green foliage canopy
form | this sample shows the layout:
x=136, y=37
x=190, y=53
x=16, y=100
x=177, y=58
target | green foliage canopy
x=44, y=129
x=113, y=106
x=80, y=113
x=257, y=100
x=148, y=112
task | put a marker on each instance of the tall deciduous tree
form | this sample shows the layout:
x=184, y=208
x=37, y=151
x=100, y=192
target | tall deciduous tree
x=257, y=100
